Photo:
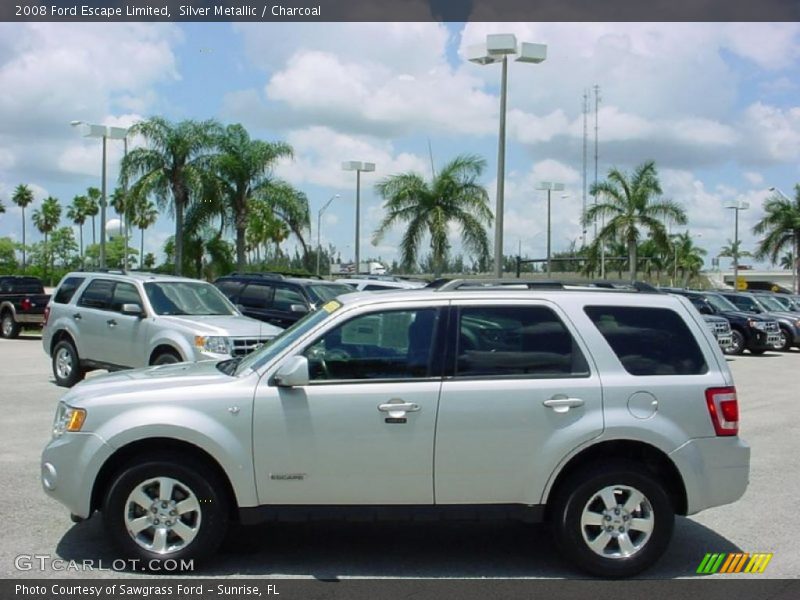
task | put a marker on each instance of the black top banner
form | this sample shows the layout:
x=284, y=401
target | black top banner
x=399, y=10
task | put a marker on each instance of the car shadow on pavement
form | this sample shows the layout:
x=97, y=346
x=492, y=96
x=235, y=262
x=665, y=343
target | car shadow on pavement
x=328, y=551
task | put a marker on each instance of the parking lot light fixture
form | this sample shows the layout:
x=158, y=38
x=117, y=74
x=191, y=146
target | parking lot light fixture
x=737, y=206
x=497, y=48
x=358, y=167
x=105, y=133
x=319, y=227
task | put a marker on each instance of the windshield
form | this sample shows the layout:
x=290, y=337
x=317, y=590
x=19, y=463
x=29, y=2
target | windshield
x=286, y=338
x=323, y=293
x=771, y=303
x=720, y=303
x=187, y=298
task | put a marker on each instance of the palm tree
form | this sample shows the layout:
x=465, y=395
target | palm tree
x=734, y=250
x=243, y=169
x=2, y=207
x=428, y=208
x=76, y=212
x=630, y=204
x=145, y=214
x=688, y=258
x=46, y=220
x=170, y=166
x=780, y=227
x=22, y=197
x=93, y=198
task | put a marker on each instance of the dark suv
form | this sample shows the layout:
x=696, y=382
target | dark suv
x=275, y=298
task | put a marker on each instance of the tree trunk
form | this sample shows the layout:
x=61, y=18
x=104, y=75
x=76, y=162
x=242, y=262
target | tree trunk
x=241, y=256
x=796, y=260
x=23, y=240
x=632, y=259
x=141, y=251
x=81, y=235
x=178, y=236
x=94, y=234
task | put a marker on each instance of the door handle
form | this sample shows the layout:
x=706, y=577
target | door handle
x=111, y=323
x=77, y=316
x=561, y=403
x=398, y=408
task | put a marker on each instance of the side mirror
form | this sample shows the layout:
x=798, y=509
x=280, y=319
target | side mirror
x=293, y=373
x=705, y=309
x=132, y=310
x=298, y=308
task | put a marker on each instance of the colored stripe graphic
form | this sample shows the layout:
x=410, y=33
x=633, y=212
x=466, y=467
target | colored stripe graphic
x=734, y=562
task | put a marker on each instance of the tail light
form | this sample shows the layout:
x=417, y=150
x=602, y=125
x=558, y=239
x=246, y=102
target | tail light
x=723, y=407
x=46, y=315
x=26, y=304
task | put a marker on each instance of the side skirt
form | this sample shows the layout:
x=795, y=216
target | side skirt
x=458, y=512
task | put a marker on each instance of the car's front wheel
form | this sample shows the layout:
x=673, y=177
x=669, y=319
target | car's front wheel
x=786, y=341
x=157, y=510
x=67, y=369
x=612, y=520
x=737, y=343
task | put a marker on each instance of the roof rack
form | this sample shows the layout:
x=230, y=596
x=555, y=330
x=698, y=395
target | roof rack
x=546, y=284
x=272, y=275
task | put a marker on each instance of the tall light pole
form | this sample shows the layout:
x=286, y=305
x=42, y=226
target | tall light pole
x=549, y=186
x=319, y=228
x=793, y=252
x=358, y=167
x=497, y=48
x=736, y=206
x=105, y=132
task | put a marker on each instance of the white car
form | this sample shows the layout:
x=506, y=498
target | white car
x=373, y=284
x=602, y=412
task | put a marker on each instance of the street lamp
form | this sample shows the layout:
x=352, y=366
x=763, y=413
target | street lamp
x=497, y=48
x=736, y=206
x=792, y=255
x=105, y=132
x=319, y=228
x=550, y=187
x=358, y=167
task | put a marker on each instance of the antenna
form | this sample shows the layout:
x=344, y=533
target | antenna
x=583, y=194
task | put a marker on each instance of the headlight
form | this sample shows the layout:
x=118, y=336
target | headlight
x=67, y=419
x=213, y=343
x=762, y=325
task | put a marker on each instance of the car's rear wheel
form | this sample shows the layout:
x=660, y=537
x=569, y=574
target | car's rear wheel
x=612, y=520
x=9, y=327
x=167, y=357
x=157, y=510
x=737, y=343
x=67, y=369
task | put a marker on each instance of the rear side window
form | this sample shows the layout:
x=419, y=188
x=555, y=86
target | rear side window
x=97, y=294
x=649, y=341
x=21, y=285
x=67, y=290
x=257, y=296
x=516, y=341
x=229, y=288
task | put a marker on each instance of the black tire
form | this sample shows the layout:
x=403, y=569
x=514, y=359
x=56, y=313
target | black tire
x=168, y=357
x=737, y=343
x=579, y=493
x=9, y=328
x=67, y=369
x=208, y=520
x=757, y=351
x=786, y=341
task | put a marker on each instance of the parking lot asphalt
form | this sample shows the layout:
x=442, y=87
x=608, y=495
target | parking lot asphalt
x=764, y=520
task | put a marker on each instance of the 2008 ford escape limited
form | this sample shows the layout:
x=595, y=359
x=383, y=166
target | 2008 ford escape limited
x=602, y=412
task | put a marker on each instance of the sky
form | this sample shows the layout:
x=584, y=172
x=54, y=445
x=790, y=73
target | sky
x=714, y=104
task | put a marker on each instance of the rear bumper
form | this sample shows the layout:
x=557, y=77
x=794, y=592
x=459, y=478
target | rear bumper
x=715, y=471
x=35, y=320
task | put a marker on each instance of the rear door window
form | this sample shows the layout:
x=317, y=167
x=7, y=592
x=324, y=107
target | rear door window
x=649, y=341
x=516, y=341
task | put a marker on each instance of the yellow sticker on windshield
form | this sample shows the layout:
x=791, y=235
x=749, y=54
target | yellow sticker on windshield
x=330, y=306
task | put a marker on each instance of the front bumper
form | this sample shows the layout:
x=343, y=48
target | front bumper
x=69, y=468
x=715, y=471
x=725, y=340
x=761, y=340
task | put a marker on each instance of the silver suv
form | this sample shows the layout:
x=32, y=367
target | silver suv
x=602, y=412
x=122, y=320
